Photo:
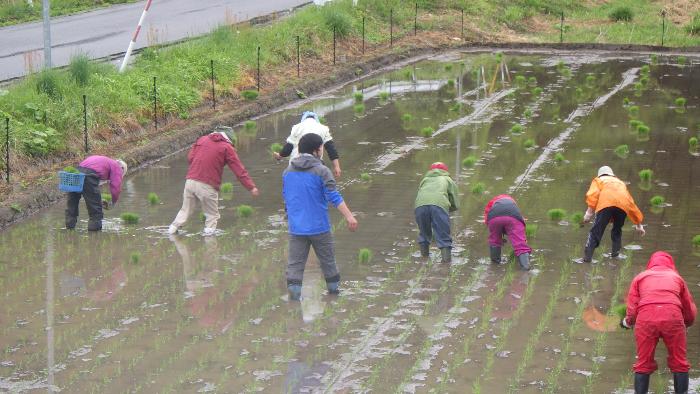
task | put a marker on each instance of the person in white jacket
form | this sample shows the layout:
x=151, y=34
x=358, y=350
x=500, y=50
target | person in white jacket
x=310, y=124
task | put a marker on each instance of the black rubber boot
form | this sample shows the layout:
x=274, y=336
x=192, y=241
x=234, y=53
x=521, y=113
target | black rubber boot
x=680, y=382
x=641, y=383
x=524, y=260
x=588, y=255
x=495, y=254
x=446, y=254
x=424, y=250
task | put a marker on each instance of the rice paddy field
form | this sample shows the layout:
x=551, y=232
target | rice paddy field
x=131, y=310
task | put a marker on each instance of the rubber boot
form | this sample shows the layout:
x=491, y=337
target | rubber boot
x=641, y=383
x=588, y=254
x=294, y=292
x=495, y=254
x=446, y=254
x=524, y=260
x=333, y=287
x=680, y=382
x=424, y=250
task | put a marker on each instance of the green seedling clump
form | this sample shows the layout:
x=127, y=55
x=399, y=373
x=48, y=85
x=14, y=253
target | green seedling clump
x=633, y=110
x=634, y=123
x=456, y=107
x=622, y=150
x=250, y=94
x=556, y=214
x=559, y=157
x=693, y=143
x=529, y=143
x=696, y=241
x=657, y=201
x=644, y=80
x=406, y=117
x=275, y=148
x=226, y=187
x=680, y=102
x=359, y=108
x=134, y=258
x=448, y=67
x=645, y=175
x=579, y=91
x=202, y=217
x=681, y=60
x=654, y=58
x=71, y=169
x=530, y=230
x=358, y=97
x=478, y=188
x=621, y=13
x=244, y=211
x=625, y=101
x=249, y=124
x=130, y=218
x=365, y=177
x=532, y=81
x=469, y=161
x=537, y=91
x=590, y=79
x=516, y=129
x=427, y=131
x=527, y=113
x=153, y=198
x=520, y=80
x=107, y=197
x=645, y=69
x=643, y=129
x=620, y=310
x=364, y=256
x=322, y=120
x=450, y=83
x=577, y=218
x=383, y=96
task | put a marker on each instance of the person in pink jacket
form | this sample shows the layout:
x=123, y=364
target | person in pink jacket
x=660, y=306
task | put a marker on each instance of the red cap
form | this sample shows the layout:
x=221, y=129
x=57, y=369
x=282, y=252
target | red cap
x=439, y=166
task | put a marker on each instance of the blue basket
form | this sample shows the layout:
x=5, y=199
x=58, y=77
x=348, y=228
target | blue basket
x=70, y=182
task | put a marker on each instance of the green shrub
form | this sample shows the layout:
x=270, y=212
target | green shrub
x=516, y=129
x=406, y=117
x=80, y=69
x=276, y=148
x=469, y=161
x=620, y=310
x=657, y=201
x=478, y=188
x=622, y=13
x=71, y=169
x=559, y=158
x=250, y=94
x=556, y=214
x=40, y=141
x=249, y=124
x=226, y=187
x=622, y=150
x=696, y=241
x=48, y=82
x=530, y=230
x=244, y=211
x=645, y=175
x=577, y=218
x=358, y=97
x=364, y=256
x=134, y=258
x=130, y=218
x=336, y=18
x=427, y=131
x=680, y=102
x=529, y=143
x=693, y=27
x=365, y=177
x=693, y=143
x=153, y=198
x=359, y=108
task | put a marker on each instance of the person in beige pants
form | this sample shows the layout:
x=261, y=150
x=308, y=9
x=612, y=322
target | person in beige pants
x=207, y=159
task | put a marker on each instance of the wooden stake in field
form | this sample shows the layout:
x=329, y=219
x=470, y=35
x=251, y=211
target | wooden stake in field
x=213, y=92
x=7, y=149
x=85, y=130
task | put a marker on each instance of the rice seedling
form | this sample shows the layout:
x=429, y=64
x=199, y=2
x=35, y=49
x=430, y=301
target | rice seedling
x=134, y=258
x=620, y=310
x=516, y=129
x=364, y=256
x=529, y=143
x=226, y=187
x=130, y=218
x=478, y=188
x=450, y=83
x=448, y=67
x=530, y=230
x=456, y=107
x=359, y=108
x=644, y=80
x=520, y=80
x=469, y=161
x=622, y=151
x=406, y=118
x=532, y=81
x=681, y=60
x=322, y=120
x=202, y=217
x=577, y=218
x=578, y=92
x=680, y=102
x=365, y=177
x=249, y=124
x=590, y=80
x=556, y=214
x=427, y=131
x=645, y=69
x=633, y=110
x=625, y=101
x=621, y=13
x=559, y=158
x=527, y=113
x=693, y=143
x=80, y=69
x=645, y=175
x=383, y=96
x=250, y=95
x=643, y=130
x=634, y=123
x=275, y=148
x=107, y=197
x=358, y=96
x=153, y=198
x=696, y=241
x=71, y=170
x=244, y=211
x=657, y=201
x=537, y=91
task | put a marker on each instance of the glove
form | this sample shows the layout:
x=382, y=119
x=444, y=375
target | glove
x=587, y=217
x=623, y=324
x=106, y=204
x=640, y=229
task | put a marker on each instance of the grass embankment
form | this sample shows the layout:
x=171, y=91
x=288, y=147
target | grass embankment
x=13, y=12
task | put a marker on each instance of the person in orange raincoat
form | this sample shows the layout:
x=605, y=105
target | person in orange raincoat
x=659, y=305
x=609, y=199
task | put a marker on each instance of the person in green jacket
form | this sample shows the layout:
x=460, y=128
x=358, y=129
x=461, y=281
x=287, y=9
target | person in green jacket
x=437, y=195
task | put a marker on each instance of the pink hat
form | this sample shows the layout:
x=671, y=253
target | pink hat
x=438, y=165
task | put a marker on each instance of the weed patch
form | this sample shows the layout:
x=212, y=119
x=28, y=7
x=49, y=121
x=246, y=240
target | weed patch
x=621, y=14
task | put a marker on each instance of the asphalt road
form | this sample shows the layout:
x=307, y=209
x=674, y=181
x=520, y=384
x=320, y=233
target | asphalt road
x=108, y=31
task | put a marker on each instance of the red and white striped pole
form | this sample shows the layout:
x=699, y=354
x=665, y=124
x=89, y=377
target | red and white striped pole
x=136, y=34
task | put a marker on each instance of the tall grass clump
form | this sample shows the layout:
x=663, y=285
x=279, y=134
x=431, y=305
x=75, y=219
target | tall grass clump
x=693, y=27
x=49, y=83
x=244, y=211
x=80, y=69
x=427, y=131
x=338, y=19
x=153, y=198
x=226, y=187
x=364, y=256
x=469, y=161
x=645, y=175
x=657, y=201
x=130, y=218
x=556, y=214
x=622, y=151
x=250, y=95
x=622, y=13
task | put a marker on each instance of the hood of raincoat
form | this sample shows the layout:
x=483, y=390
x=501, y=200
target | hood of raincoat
x=661, y=260
x=437, y=172
x=305, y=161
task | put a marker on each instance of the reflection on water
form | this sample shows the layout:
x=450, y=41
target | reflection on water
x=131, y=310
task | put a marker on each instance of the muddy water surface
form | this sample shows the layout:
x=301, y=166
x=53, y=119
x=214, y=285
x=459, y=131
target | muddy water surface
x=133, y=310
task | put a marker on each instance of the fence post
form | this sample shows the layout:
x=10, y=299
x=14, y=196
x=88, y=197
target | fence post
x=334, y=45
x=213, y=91
x=7, y=149
x=462, y=23
x=415, y=22
x=363, y=35
x=155, y=104
x=85, y=129
x=258, y=68
x=391, y=28
x=663, y=26
x=298, y=57
x=561, y=29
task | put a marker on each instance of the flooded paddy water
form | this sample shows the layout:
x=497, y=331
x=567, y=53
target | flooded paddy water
x=132, y=310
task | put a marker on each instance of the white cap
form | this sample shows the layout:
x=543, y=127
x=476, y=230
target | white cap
x=605, y=170
x=123, y=165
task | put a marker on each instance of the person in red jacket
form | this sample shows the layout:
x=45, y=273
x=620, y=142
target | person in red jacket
x=207, y=159
x=659, y=305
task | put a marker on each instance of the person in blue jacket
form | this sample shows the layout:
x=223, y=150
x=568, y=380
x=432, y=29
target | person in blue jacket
x=308, y=187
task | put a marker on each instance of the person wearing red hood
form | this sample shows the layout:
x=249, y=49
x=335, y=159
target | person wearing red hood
x=503, y=217
x=207, y=159
x=659, y=305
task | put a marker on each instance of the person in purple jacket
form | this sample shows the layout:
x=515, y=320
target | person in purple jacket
x=96, y=169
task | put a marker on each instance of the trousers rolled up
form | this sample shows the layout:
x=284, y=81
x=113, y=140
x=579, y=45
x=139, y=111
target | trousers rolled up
x=324, y=247
x=206, y=195
x=433, y=221
x=93, y=202
x=511, y=227
x=602, y=218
